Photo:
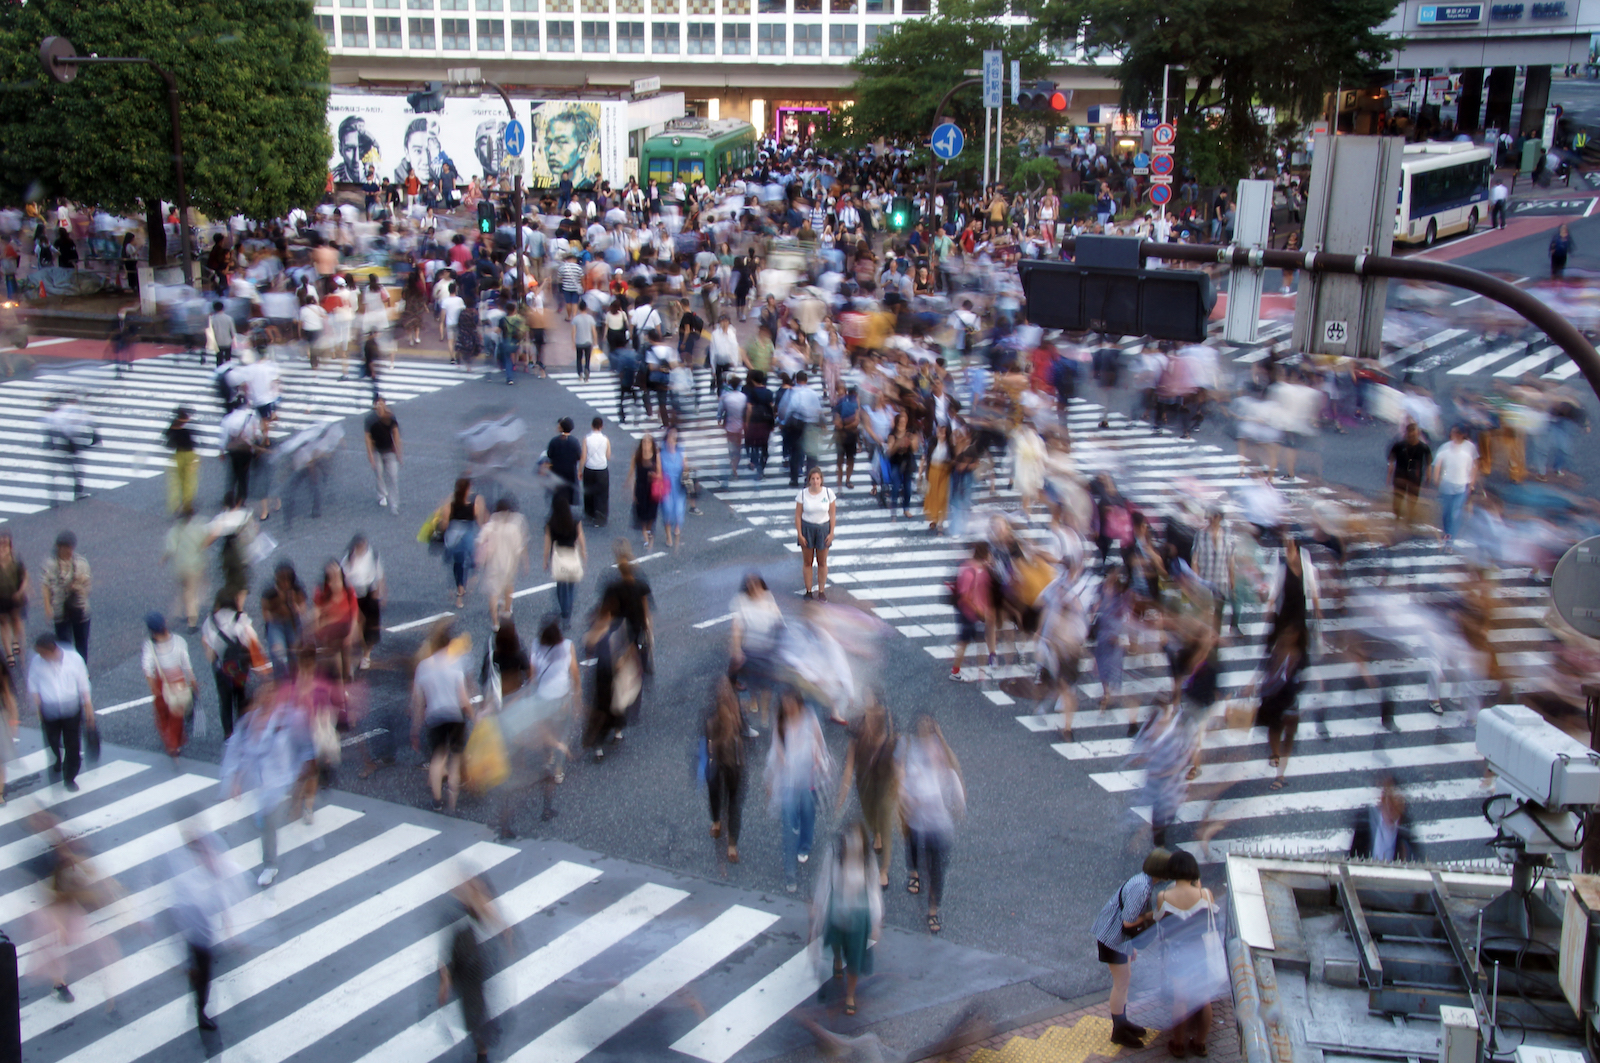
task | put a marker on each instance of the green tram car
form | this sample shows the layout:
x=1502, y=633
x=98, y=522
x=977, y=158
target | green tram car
x=691, y=148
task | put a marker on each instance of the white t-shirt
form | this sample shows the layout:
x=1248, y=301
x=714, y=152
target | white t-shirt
x=595, y=450
x=1454, y=463
x=814, y=507
x=552, y=670
x=452, y=305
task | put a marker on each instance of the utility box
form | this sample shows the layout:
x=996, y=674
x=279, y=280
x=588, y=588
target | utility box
x=1458, y=1035
x=1350, y=210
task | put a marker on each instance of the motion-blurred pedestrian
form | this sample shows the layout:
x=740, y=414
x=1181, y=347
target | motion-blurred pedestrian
x=932, y=797
x=259, y=760
x=725, y=765
x=65, y=580
x=165, y=663
x=58, y=689
x=797, y=765
x=871, y=762
x=13, y=600
x=469, y=961
x=234, y=651
x=502, y=553
x=204, y=888
x=847, y=912
x=441, y=709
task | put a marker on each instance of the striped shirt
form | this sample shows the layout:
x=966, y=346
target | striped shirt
x=1131, y=902
x=571, y=274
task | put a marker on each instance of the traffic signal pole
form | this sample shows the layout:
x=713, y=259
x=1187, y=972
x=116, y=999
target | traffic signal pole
x=516, y=202
x=1564, y=333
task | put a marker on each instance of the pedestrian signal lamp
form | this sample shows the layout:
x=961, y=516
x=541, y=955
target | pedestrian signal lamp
x=485, y=217
x=902, y=214
x=431, y=98
x=1041, y=96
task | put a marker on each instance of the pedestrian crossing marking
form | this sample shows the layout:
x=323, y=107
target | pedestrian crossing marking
x=897, y=571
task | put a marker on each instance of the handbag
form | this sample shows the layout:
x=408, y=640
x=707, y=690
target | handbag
x=178, y=696
x=486, y=766
x=565, y=564
x=702, y=769
x=1216, y=968
x=659, y=488
x=325, y=740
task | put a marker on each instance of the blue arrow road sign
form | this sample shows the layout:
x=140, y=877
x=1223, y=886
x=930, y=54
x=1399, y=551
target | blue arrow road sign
x=947, y=141
x=516, y=138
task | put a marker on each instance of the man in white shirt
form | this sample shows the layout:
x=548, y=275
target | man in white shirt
x=1455, y=471
x=58, y=686
x=594, y=461
x=1498, y=195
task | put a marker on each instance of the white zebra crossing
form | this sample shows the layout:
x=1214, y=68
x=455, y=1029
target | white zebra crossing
x=334, y=949
x=132, y=411
x=898, y=572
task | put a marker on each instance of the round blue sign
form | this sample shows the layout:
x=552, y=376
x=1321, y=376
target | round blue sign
x=1160, y=195
x=947, y=141
x=1141, y=160
x=515, y=137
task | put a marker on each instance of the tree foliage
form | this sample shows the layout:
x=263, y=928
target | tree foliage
x=253, y=78
x=1228, y=58
x=902, y=77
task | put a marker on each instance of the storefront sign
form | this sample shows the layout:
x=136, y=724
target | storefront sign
x=1441, y=14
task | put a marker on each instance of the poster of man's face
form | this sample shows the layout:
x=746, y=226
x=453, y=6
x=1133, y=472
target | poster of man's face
x=489, y=146
x=568, y=135
x=357, y=150
x=424, y=153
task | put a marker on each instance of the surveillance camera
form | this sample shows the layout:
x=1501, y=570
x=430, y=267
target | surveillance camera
x=1538, y=762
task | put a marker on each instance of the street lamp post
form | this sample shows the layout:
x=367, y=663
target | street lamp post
x=61, y=62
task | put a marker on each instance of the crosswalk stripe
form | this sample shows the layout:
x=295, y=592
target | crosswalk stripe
x=1483, y=361
x=152, y=900
x=358, y=993
x=1464, y=829
x=89, y=782
x=1566, y=372
x=1311, y=764
x=1365, y=727
x=99, y=819
x=1407, y=353
x=156, y=1028
x=1527, y=365
x=733, y=1026
x=614, y=1010
x=539, y=969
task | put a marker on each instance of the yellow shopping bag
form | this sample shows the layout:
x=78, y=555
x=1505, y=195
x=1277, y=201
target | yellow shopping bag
x=486, y=766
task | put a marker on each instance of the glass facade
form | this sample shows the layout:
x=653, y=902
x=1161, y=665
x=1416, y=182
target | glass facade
x=771, y=39
x=558, y=37
x=664, y=38
x=630, y=37
x=736, y=40
x=524, y=35
x=353, y=31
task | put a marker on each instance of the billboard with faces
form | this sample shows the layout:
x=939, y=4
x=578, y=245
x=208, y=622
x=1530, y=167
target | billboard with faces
x=381, y=136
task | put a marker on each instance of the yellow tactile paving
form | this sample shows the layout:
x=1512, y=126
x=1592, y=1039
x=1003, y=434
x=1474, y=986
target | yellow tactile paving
x=1089, y=1036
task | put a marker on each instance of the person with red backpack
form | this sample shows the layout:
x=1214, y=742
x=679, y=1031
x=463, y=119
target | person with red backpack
x=973, y=596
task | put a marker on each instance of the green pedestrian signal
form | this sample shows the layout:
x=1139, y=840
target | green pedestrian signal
x=485, y=217
x=902, y=214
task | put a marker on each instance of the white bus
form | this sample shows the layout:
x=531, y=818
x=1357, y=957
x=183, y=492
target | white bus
x=1444, y=189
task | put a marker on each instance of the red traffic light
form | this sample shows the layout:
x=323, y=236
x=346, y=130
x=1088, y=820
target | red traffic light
x=1058, y=101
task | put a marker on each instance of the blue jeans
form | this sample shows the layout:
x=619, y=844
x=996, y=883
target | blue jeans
x=1451, y=503
x=1558, y=444
x=799, y=824
x=901, y=476
x=960, y=502
x=507, y=352
x=566, y=593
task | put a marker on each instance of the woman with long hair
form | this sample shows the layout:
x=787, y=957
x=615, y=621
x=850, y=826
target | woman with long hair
x=565, y=553
x=931, y=797
x=936, y=470
x=337, y=610
x=673, y=502
x=416, y=299
x=847, y=913
x=461, y=514
x=901, y=450
x=797, y=763
x=725, y=759
x=363, y=572
x=870, y=763
x=643, y=472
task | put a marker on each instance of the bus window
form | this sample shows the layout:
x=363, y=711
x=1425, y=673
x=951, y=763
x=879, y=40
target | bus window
x=661, y=170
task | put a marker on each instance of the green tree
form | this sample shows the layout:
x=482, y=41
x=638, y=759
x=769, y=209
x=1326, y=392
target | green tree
x=253, y=77
x=901, y=78
x=1228, y=58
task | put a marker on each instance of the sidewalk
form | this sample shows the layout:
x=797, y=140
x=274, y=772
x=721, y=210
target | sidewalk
x=1084, y=1033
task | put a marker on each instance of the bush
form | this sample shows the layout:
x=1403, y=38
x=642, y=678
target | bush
x=1077, y=205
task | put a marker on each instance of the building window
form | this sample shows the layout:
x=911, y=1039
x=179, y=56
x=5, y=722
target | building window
x=596, y=7
x=597, y=36
x=915, y=7
x=843, y=7
x=353, y=30
x=735, y=7
x=325, y=27
x=558, y=6
x=386, y=33
x=770, y=40
x=525, y=5
x=702, y=38
x=702, y=7
x=880, y=7
x=736, y=40
x=420, y=5
x=457, y=37
x=630, y=38
x=491, y=35
x=808, y=39
x=524, y=35
x=842, y=40
x=663, y=7
x=664, y=38
x=422, y=38
x=386, y=4
x=489, y=5
x=772, y=7
x=352, y=3
x=808, y=7
x=876, y=32
x=558, y=37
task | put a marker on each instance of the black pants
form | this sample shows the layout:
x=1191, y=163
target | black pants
x=794, y=451
x=230, y=702
x=65, y=731
x=239, y=462
x=1497, y=214
x=200, y=964
x=718, y=371
x=597, y=495
x=75, y=629
x=758, y=456
x=585, y=350
x=926, y=853
x=726, y=783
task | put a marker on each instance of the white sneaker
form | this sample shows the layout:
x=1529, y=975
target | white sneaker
x=803, y=857
x=751, y=732
x=266, y=877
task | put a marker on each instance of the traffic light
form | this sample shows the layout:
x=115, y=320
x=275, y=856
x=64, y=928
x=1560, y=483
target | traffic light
x=431, y=98
x=1041, y=96
x=902, y=214
x=485, y=216
x=1164, y=304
